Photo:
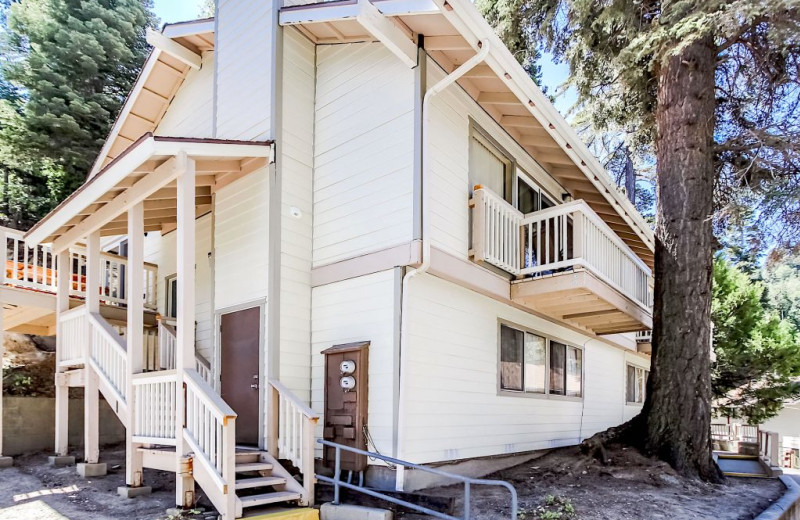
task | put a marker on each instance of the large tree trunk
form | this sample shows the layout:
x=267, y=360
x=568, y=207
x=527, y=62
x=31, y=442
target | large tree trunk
x=630, y=177
x=677, y=411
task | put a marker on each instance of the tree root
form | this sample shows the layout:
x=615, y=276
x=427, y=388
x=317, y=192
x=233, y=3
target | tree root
x=630, y=433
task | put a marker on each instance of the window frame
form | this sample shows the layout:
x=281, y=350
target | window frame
x=168, y=281
x=548, y=339
x=645, y=374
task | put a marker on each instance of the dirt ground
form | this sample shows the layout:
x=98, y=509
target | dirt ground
x=631, y=487
x=32, y=490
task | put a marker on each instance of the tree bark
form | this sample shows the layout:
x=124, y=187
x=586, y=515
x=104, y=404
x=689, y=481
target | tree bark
x=630, y=177
x=677, y=409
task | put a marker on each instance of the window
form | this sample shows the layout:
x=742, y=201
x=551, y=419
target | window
x=172, y=297
x=532, y=364
x=636, y=384
x=489, y=167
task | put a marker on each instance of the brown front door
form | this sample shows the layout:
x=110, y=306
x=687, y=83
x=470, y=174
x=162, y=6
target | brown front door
x=239, y=371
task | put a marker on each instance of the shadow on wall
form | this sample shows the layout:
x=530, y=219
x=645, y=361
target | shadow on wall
x=29, y=424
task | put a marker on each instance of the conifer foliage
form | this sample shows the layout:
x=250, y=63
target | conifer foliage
x=70, y=65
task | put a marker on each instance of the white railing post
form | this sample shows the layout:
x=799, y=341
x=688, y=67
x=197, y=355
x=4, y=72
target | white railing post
x=91, y=403
x=134, y=336
x=62, y=391
x=184, y=352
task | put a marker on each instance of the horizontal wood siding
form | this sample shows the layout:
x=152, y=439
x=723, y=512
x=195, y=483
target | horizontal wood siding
x=241, y=237
x=162, y=250
x=297, y=162
x=191, y=112
x=451, y=111
x=359, y=309
x=363, y=151
x=244, y=44
x=452, y=408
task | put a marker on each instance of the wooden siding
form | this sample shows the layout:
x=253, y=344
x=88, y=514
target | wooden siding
x=161, y=250
x=241, y=237
x=359, y=309
x=453, y=409
x=449, y=160
x=191, y=112
x=245, y=47
x=364, y=151
x=297, y=162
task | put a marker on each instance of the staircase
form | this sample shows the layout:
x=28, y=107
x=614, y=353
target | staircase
x=234, y=479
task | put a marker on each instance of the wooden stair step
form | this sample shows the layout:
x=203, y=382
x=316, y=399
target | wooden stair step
x=243, y=457
x=248, y=483
x=269, y=498
x=253, y=466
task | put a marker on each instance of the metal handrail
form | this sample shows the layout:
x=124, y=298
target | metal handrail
x=468, y=482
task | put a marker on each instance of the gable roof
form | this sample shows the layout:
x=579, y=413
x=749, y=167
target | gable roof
x=159, y=80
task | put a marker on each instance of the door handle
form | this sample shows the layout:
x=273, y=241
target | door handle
x=254, y=386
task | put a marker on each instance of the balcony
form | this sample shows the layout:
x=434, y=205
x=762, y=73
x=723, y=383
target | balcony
x=567, y=263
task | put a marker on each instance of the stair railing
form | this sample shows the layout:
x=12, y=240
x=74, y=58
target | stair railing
x=73, y=331
x=109, y=354
x=167, y=342
x=292, y=428
x=210, y=431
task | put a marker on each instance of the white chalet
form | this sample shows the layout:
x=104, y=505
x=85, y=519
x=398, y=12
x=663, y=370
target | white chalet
x=356, y=221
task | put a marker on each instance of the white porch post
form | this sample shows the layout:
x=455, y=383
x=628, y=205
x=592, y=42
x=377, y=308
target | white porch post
x=134, y=292
x=91, y=408
x=4, y=461
x=62, y=390
x=184, y=349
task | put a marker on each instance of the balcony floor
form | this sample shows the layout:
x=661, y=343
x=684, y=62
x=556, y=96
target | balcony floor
x=580, y=298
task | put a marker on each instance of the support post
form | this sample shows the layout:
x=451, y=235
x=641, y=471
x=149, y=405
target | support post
x=134, y=290
x=4, y=461
x=184, y=348
x=91, y=403
x=64, y=270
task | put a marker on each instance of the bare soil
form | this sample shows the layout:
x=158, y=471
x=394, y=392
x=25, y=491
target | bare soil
x=33, y=490
x=630, y=487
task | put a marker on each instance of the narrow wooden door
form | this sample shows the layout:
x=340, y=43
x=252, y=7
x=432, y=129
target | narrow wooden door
x=240, y=332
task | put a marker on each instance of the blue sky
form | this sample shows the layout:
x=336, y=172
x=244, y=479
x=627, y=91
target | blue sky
x=553, y=74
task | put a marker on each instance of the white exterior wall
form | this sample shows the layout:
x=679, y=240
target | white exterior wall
x=363, y=151
x=241, y=238
x=191, y=112
x=245, y=47
x=452, y=407
x=449, y=163
x=360, y=309
x=297, y=163
x=162, y=250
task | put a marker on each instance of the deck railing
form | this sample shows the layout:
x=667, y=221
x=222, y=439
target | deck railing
x=291, y=436
x=36, y=268
x=644, y=336
x=73, y=330
x=154, y=415
x=553, y=240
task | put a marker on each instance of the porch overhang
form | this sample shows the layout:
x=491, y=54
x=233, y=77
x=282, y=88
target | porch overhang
x=583, y=299
x=452, y=31
x=146, y=172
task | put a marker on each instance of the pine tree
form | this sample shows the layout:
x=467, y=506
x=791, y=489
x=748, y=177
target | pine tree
x=758, y=354
x=74, y=63
x=711, y=87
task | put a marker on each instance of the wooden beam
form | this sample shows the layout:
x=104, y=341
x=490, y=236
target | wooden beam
x=385, y=30
x=591, y=314
x=134, y=336
x=476, y=72
x=498, y=98
x=174, y=49
x=523, y=122
x=121, y=203
x=539, y=141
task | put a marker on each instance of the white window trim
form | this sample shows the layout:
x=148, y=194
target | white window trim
x=537, y=395
x=645, y=373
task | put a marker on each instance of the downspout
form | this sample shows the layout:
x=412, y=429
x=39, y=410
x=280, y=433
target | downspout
x=483, y=51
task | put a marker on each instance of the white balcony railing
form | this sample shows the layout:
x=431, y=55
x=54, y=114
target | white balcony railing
x=35, y=268
x=553, y=240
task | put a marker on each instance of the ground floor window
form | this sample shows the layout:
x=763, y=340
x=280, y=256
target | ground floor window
x=531, y=363
x=636, y=384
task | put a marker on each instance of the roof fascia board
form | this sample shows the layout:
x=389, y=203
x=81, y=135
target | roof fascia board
x=191, y=28
x=471, y=24
x=209, y=148
x=90, y=191
x=333, y=11
x=174, y=49
x=126, y=110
